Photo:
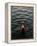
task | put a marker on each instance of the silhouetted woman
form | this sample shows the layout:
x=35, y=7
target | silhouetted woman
x=24, y=29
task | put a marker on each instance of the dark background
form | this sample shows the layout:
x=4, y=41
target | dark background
x=19, y=14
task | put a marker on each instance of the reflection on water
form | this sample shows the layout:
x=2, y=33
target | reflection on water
x=18, y=15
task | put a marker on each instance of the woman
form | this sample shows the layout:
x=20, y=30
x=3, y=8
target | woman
x=24, y=29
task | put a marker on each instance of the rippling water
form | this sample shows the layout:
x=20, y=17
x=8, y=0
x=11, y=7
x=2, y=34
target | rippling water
x=18, y=14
